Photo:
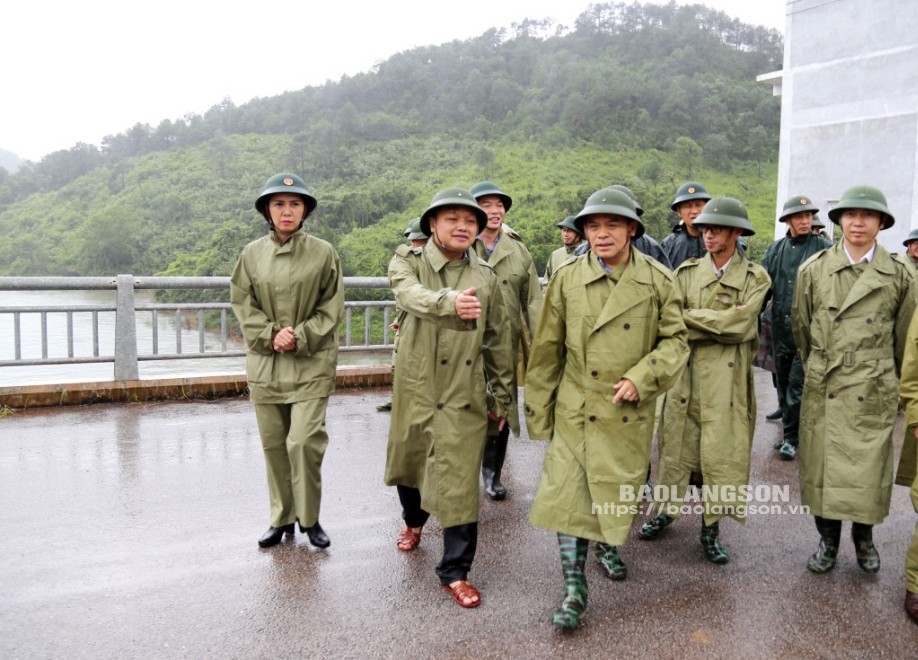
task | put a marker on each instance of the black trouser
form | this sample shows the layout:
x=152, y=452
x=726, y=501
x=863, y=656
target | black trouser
x=789, y=373
x=459, y=541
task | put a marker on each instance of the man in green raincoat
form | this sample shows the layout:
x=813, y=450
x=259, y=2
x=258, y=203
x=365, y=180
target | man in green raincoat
x=454, y=337
x=521, y=291
x=782, y=260
x=609, y=341
x=571, y=239
x=911, y=249
x=851, y=312
x=288, y=293
x=709, y=414
x=906, y=476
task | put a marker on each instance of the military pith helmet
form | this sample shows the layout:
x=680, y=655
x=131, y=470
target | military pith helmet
x=817, y=222
x=568, y=223
x=912, y=236
x=689, y=191
x=453, y=197
x=414, y=233
x=863, y=197
x=725, y=212
x=625, y=189
x=284, y=183
x=609, y=201
x=799, y=204
x=483, y=188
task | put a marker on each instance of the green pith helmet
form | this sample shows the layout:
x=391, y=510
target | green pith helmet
x=453, y=197
x=912, y=236
x=817, y=222
x=483, y=188
x=798, y=204
x=414, y=233
x=568, y=223
x=725, y=212
x=609, y=201
x=863, y=197
x=284, y=183
x=688, y=191
x=625, y=189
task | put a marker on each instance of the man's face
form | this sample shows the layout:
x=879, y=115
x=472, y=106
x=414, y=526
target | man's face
x=719, y=241
x=860, y=226
x=494, y=207
x=689, y=210
x=610, y=237
x=799, y=224
x=454, y=228
x=569, y=237
x=287, y=212
x=913, y=250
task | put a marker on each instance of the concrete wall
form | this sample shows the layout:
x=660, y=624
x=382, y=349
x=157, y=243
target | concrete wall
x=849, y=110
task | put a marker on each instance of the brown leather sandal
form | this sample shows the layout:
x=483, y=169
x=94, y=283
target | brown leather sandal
x=408, y=539
x=464, y=590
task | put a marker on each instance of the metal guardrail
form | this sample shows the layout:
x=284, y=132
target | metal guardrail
x=125, y=356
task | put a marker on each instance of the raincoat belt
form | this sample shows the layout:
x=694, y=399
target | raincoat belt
x=835, y=359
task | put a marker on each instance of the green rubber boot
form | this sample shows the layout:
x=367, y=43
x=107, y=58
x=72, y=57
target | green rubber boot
x=823, y=560
x=866, y=552
x=652, y=528
x=611, y=563
x=573, y=559
x=714, y=552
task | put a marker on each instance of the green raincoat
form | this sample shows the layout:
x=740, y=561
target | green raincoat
x=521, y=293
x=297, y=283
x=592, y=333
x=558, y=257
x=440, y=400
x=908, y=390
x=850, y=332
x=709, y=413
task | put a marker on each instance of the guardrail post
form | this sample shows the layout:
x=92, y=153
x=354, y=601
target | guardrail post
x=125, y=331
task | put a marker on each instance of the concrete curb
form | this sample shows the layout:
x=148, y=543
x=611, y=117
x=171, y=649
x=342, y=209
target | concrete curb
x=203, y=387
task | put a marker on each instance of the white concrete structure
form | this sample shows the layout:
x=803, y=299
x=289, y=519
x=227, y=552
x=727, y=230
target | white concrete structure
x=849, y=107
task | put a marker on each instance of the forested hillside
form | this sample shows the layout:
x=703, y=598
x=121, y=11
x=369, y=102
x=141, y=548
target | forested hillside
x=644, y=95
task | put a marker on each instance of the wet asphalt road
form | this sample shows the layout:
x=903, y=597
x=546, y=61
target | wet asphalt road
x=130, y=531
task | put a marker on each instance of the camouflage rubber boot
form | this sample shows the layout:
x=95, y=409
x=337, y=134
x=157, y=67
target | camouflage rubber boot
x=714, y=552
x=823, y=560
x=611, y=563
x=573, y=559
x=652, y=528
x=866, y=552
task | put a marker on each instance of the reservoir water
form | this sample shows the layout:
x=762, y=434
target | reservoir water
x=31, y=342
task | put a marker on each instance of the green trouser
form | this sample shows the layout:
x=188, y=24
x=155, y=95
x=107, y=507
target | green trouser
x=294, y=439
x=911, y=559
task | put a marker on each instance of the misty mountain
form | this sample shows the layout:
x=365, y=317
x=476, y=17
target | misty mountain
x=644, y=95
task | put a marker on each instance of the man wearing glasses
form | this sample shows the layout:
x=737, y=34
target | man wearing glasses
x=709, y=414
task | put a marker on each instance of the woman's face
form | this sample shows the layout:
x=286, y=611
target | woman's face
x=287, y=213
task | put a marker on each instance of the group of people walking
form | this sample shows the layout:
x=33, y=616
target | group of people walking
x=628, y=338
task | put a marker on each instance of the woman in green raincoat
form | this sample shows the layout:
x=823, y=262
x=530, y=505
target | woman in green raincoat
x=610, y=340
x=288, y=294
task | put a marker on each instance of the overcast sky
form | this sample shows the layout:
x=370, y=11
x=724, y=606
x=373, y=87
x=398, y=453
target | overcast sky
x=76, y=71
